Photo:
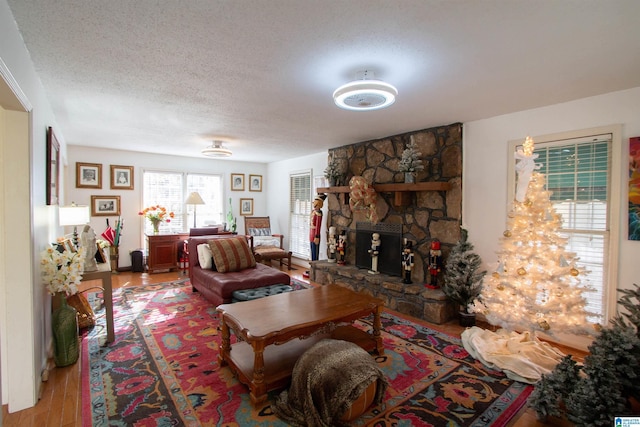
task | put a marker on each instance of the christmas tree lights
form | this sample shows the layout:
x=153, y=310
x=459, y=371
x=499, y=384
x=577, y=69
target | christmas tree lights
x=537, y=285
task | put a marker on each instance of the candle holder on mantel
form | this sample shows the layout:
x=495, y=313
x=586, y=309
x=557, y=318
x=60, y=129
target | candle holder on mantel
x=113, y=252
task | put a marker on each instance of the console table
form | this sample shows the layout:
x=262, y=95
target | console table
x=163, y=250
x=104, y=274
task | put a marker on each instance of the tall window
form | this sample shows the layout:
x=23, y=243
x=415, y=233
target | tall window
x=170, y=189
x=580, y=173
x=299, y=213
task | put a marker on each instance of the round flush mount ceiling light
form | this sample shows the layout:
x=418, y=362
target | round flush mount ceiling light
x=216, y=150
x=365, y=93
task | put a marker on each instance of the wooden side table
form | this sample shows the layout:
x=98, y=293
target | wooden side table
x=163, y=250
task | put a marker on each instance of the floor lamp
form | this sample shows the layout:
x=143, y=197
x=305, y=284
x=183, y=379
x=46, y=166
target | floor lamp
x=195, y=200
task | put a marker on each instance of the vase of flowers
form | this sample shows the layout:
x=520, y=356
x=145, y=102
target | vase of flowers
x=333, y=172
x=410, y=163
x=62, y=272
x=156, y=215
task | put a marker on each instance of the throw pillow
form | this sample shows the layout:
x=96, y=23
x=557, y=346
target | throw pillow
x=205, y=257
x=259, y=231
x=232, y=254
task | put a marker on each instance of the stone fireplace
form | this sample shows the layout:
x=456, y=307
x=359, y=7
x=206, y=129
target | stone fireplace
x=428, y=210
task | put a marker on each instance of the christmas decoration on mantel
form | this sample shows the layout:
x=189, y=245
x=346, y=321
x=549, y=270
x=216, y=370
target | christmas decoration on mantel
x=363, y=196
x=536, y=286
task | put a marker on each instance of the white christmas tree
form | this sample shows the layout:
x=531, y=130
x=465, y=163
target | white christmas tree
x=537, y=285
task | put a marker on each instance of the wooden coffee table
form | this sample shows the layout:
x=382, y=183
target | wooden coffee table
x=276, y=330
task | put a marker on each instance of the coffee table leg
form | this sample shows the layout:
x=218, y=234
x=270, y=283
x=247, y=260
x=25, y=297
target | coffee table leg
x=226, y=343
x=258, y=387
x=377, y=327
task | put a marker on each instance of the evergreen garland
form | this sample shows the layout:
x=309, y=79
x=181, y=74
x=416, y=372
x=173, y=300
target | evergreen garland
x=462, y=280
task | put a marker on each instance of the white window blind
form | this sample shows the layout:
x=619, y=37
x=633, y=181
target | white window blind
x=299, y=213
x=578, y=172
x=170, y=189
x=164, y=189
x=210, y=189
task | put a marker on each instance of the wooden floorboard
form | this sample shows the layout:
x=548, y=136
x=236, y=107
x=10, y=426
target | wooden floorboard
x=61, y=400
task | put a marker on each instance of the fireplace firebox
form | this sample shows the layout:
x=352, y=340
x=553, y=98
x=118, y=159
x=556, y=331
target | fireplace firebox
x=390, y=252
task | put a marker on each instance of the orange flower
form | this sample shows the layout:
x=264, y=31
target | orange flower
x=156, y=213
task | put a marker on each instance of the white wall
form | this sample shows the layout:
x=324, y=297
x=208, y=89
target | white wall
x=279, y=190
x=486, y=158
x=131, y=200
x=26, y=302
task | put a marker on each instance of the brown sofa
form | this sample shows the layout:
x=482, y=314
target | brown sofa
x=218, y=287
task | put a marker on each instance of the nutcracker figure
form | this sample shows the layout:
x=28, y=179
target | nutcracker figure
x=341, y=248
x=435, y=264
x=373, y=252
x=333, y=243
x=407, y=261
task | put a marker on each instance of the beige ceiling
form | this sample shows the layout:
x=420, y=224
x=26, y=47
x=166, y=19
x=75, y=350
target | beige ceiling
x=169, y=76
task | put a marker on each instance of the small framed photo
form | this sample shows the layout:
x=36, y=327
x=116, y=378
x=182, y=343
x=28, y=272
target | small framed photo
x=53, y=168
x=88, y=175
x=246, y=207
x=105, y=205
x=255, y=182
x=237, y=182
x=121, y=177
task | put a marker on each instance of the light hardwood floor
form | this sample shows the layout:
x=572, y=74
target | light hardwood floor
x=59, y=404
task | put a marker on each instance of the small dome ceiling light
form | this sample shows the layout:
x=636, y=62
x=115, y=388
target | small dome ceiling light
x=365, y=93
x=216, y=150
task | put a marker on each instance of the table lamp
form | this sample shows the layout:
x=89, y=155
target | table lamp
x=73, y=215
x=194, y=199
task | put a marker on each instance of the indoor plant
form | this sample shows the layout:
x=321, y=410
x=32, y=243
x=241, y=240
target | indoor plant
x=62, y=272
x=462, y=280
x=410, y=163
x=156, y=214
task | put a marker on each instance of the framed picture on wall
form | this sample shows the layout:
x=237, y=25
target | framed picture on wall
x=105, y=205
x=237, y=182
x=121, y=177
x=88, y=175
x=246, y=207
x=255, y=182
x=53, y=168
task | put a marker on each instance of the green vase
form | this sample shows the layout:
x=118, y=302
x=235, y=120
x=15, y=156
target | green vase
x=64, y=322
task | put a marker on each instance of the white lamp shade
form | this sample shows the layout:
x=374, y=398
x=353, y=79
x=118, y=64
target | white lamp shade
x=194, y=199
x=73, y=215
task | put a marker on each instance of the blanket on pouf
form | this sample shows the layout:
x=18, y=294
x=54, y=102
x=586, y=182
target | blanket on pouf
x=325, y=381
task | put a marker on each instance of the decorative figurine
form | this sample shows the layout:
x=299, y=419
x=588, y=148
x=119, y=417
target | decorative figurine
x=407, y=261
x=435, y=264
x=315, y=224
x=374, y=251
x=88, y=241
x=332, y=244
x=342, y=246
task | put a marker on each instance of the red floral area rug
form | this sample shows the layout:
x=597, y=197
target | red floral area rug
x=162, y=370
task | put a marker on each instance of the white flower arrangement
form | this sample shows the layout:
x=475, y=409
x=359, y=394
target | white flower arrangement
x=333, y=171
x=62, y=271
x=410, y=161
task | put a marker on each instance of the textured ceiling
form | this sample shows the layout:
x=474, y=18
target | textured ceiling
x=168, y=76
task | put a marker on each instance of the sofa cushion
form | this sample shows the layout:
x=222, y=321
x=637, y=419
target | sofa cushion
x=205, y=256
x=231, y=254
x=266, y=241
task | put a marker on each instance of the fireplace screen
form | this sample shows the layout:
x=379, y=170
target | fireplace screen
x=390, y=256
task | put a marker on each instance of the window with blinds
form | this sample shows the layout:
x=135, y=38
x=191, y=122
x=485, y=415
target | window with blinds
x=578, y=173
x=299, y=213
x=170, y=189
